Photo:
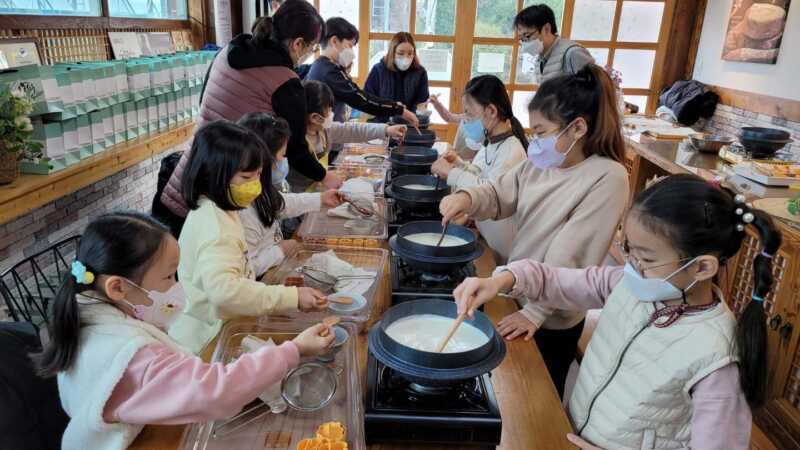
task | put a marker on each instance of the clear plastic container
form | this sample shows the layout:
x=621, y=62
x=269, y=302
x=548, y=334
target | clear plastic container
x=370, y=259
x=320, y=228
x=374, y=173
x=262, y=429
x=363, y=149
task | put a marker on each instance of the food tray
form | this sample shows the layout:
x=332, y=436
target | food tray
x=360, y=149
x=283, y=431
x=746, y=170
x=318, y=227
x=371, y=259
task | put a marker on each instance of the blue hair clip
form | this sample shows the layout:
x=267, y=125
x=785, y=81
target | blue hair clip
x=80, y=273
x=757, y=298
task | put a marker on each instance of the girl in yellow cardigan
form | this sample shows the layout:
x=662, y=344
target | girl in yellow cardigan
x=223, y=176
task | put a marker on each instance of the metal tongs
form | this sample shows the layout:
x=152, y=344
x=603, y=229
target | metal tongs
x=329, y=280
x=364, y=211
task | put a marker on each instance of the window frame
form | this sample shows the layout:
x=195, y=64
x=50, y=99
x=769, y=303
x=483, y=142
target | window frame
x=103, y=21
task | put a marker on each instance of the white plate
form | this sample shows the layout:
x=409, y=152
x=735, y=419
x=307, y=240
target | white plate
x=359, y=302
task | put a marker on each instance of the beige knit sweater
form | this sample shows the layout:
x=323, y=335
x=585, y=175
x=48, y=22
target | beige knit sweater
x=564, y=217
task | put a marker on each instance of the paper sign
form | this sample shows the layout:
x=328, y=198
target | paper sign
x=125, y=45
x=491, y=62
x=154, y=44
x=435, y=60
x=19, y=53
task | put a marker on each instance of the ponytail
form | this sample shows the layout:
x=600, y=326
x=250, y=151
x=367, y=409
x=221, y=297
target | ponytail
x=702, y=218
x=590, y=94
x=64, y=331
x=489, y=90
x=121, y=244
x=751, y=332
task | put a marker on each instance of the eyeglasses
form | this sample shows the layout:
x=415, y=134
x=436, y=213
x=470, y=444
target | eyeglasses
x=637, y=264
x=526, y=37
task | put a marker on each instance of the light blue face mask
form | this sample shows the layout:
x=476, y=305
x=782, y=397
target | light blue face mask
x=280, y=173
x=474, y=130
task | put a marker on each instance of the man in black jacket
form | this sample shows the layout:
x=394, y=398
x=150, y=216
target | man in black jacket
x=337, y=53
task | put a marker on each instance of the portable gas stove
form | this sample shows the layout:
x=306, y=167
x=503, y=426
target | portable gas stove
x=410, y=284
x=459, y=415
x=398, y=216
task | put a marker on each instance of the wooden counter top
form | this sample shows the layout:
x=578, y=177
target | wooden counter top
x=29, y=192
x=533, y=417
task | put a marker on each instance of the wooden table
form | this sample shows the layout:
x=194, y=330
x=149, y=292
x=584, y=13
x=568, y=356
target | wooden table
x=533, y=417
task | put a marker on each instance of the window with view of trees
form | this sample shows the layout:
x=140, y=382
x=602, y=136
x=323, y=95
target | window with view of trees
x=51, y=7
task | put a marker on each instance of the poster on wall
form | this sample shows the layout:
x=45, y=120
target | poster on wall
x=19, y=52
x=755, y=29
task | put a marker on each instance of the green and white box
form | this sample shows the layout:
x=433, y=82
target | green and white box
x=179, y=104
x=84, y=136
x=152, y=115
x=163, y=113
x=118, y=113
x=108, y=127
x=72, y=152
x=77, y=88
x=141, y=117
x=131, y=120
x=53, y=158
x=196, y=100
x=39, y=83
x=98, y=130
x=172, y=108
x=122, y=91
x=138, y=80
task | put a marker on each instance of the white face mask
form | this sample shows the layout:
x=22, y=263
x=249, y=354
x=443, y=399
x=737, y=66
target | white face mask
x=533, y=47
x=654, y=289
x=402, y=63
x=165, y=308
x=328, y=121
x=346, y=57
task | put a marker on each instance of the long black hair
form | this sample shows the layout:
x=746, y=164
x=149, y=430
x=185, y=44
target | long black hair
x=119, y=243
x=590, y=94
x=701, y=218
x=489, y=90
x=220, y=150
x=339, y=27
x=275, y=133
x=319, y=97
x=294, y=19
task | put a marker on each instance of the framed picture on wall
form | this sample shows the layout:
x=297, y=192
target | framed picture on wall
x=755, y=30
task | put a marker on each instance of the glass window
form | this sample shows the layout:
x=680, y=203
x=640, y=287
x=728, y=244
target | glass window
x=638, y=100
x=347, y=9
x=390, y=16
x=492, y=60
x=437, y=58
x=592, y=20
x=519, y=105
x=636, y=67
x=147, y=9
x=444, y=97
x=556, y=5
x=436, y=17
x=600, y=56
x=52, y=7
x=640, y=21
x=377, y=50
x=495, y=18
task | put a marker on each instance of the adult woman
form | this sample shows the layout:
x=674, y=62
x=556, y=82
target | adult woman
x=567, y=199
x=254, y=73
x=490, y=121
x=399, y=76
x=337, y=53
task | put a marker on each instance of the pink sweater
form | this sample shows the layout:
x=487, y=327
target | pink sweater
x=163, y=387
x=721, y=418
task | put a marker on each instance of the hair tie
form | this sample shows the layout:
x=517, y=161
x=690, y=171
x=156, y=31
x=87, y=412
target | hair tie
x=80, y=273
x=757, y=298
x=766, y=255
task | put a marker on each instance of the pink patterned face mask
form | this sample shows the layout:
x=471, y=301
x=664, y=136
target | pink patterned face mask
x=165, y=307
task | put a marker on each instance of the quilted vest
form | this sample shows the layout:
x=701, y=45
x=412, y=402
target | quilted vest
x=553, y=66
x=634, y=383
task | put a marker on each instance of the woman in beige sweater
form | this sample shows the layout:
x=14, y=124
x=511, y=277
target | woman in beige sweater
x=566, y=200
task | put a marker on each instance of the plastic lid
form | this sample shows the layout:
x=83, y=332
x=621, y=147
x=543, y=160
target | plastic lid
x=309, y=387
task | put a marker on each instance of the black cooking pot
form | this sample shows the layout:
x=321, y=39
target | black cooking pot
x=423, y=138
x=416, y=198
x=424, y=120
x=763, y=142
x=435, y=369
x=408, y=160
x=432, y=259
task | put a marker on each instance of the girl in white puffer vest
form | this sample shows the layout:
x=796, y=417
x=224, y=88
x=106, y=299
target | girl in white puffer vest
x=117, y=368
x=669, y=366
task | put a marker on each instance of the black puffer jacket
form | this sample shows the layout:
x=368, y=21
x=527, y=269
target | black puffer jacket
x=689, y=100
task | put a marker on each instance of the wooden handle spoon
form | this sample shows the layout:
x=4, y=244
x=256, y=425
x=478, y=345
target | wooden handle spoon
x=450, y=333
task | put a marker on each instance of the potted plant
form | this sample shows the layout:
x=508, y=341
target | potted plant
x=16, y=130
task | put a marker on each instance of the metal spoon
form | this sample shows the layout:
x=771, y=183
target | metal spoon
x=444, y=232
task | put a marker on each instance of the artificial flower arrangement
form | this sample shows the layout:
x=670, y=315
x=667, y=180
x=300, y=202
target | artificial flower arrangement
x=16, y=130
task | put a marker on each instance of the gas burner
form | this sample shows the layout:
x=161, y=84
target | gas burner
x=407, y=281
x=398, y=216
x=434, y=278
x=464, y=414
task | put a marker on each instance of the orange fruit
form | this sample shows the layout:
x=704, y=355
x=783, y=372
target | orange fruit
x=332, y=431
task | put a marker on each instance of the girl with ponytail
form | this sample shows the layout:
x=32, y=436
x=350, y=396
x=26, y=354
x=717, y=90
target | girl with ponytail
x=490, y=121
x=117, y=368
x=669, y=366
x=566, y=200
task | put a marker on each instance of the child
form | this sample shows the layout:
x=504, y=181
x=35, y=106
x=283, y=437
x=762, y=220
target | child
x=463, y=146
x=566, y=200
x=661, y=369
x=117, y=368
x=223, y=176
x=322, y=132
x=266, y=247
x=492, y=122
